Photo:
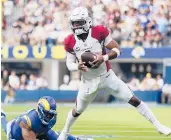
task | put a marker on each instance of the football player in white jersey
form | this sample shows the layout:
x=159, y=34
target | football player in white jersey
x=96, y=39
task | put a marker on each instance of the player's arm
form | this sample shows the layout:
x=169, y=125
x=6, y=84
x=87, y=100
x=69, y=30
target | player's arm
x=71, y=62
x=27, y=134
x=25, y=126
x=72, y=65
x=110, y=44
x=114, y=52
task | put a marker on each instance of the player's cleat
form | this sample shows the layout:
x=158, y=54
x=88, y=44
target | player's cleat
x=164, y=130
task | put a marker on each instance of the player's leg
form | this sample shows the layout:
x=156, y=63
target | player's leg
x=145, y=111
x=3, y=121
x=122, y=91
x=85, y=96
x=73, y=114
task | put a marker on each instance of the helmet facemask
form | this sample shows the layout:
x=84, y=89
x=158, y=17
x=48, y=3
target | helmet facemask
x=46, y=116
x=79, y=26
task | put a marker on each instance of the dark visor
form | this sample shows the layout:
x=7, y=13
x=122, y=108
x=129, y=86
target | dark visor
x=48, y=114
x=78, y=23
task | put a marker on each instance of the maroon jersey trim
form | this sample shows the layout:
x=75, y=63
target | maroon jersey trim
x=108, y=66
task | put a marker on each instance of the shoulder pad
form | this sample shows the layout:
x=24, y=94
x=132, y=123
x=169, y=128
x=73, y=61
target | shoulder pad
x=69, y=43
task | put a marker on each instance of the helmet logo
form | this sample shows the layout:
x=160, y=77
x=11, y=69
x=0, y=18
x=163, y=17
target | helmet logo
x=45, y=104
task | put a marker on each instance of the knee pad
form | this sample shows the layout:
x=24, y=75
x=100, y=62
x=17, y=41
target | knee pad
x=79, y=110
x=75, y=113
x=134, y=101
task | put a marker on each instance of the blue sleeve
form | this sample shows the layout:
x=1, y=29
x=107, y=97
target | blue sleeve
x=51, y=135
x=70, y=137
x=26, y=119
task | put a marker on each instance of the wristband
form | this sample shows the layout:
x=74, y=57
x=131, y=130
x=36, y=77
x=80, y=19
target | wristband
x=117, y=51
x=106, y=57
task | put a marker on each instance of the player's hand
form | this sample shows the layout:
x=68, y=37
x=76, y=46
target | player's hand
x=82, y=67
x=97, y=62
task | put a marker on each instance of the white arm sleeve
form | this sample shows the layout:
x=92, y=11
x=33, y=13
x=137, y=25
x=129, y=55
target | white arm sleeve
x=71, y=62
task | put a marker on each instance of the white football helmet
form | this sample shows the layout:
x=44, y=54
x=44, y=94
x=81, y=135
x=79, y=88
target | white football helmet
x=80, y=21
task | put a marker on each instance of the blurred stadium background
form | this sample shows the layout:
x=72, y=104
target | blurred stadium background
x=33, y=56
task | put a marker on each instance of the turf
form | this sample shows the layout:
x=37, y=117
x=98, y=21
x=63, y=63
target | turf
x=103, y=122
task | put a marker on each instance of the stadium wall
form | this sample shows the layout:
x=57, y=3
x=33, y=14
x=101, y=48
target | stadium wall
x=62, y=96
x=57, y=52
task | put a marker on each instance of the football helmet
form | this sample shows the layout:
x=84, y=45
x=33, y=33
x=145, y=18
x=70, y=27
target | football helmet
x=80, y=21
x=46, y=109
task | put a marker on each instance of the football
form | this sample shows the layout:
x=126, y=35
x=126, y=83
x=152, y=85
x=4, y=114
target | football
x=88, y=57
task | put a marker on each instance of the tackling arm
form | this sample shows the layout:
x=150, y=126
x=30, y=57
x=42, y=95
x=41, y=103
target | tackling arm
x=27, y=134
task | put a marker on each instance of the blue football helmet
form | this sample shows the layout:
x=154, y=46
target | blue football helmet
x=46, y=109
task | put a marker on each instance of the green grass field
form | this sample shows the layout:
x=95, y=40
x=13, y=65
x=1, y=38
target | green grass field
x=106, y=122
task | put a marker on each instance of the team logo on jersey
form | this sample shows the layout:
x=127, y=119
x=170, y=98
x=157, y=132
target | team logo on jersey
x=77, y=49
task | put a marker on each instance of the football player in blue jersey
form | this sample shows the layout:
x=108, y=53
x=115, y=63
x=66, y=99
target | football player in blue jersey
x=34, y=124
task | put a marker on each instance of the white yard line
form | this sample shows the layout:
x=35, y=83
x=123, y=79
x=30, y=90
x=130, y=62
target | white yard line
x=117, y=131
x=146, y=137
x=128, y=137
x=108, y=126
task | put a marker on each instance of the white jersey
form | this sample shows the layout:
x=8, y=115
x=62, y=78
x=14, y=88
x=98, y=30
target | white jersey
x=98, y=37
